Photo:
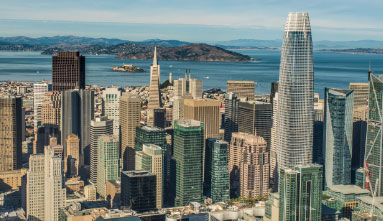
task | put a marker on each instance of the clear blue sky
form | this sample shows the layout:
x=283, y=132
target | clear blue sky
x=193, y=20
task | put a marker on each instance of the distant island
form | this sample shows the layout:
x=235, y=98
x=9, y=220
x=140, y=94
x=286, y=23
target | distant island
x=357, y=50
x=128, y=68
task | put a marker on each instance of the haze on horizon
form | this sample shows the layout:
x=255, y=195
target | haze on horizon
x=193, y=21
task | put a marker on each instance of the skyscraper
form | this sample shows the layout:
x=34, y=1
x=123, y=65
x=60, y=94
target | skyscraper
x=130, y=113
x=295, y=114
x=154, y=100
x=195, y=87
x=150, y=135
x=72, y=156
x=108, y=165
x=188, y=161
x=10, y=133
x=360, y=100
x=373, y=164
x=337, y=133
x=45, y=193
x=51, y=109
x=231, y=115
x=206, y=111
x=138, y=190
x=156, y=117
x=151, y=159
x=216, y=182
x=99, y=126
x=68, y=71
x=39, y=90
x=300, y=191
x=243, y=89
x=111, y=107
x=256, y=117
x=76, y=113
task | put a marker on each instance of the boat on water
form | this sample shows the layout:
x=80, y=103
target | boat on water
x=128, y=68
x=206, y=77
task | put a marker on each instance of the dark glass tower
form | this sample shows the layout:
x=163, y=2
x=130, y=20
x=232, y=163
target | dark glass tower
x=231, y=115
x=150, y=135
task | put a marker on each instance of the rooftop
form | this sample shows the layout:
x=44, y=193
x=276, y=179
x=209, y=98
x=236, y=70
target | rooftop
x=189, y=123
x=137, y=173
x=348, y=189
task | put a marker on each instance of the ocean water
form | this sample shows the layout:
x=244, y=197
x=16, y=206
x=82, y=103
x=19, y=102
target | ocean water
x=335, y=70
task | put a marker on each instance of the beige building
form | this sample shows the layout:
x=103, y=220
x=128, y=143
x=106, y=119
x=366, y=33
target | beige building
x=130, y=113
x=151, y=159
x=72, y=155
x=11, y=180
x=10, y=133
x=45, y=193
x=195, y=88
x=249, y=165
x=154, y=100
x=206, y=111
x=241, y=88
x=361, y=91
x=51, y=109
x=90, y=192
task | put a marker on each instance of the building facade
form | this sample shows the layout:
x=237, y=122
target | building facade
x=243, y=89
x=39, y=90
x=111, y=107
x=231, y=115
x=68, y=71
x=154, y=100
x=72, y=156
x=337, y=133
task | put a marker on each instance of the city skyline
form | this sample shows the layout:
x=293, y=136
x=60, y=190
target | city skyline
x=213, y=20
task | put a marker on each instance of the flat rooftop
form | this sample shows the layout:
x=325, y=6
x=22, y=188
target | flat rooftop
x=348, y=189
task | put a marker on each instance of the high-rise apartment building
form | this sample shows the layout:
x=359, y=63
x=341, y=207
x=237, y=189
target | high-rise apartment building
x=373, y=164
x=195, y=88
x=138, y=190
x=10, y=133
x=154, y=100
x=151, y=159
x=39, y=90
x=254, y=167
x=72, y=156
x=337, y=133
x=108, y=165
x=99, y=126
x=231, y=115
x=295, y=114
x=45, y=192
x=187, y=162
x=76, y=113
x=256, y=117
x=300, y=191
x=130, y=113
x=243, y=89
x=111, y=107
x=216, y=181
x=68, y=71
x=360, y=100
x=206, y=111
x=51, y=109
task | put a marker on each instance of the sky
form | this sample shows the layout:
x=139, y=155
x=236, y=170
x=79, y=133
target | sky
x=192, y=20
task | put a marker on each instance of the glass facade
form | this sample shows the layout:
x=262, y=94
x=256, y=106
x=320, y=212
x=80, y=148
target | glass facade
x=150, y=135
x=337, y=135
x=295, y=114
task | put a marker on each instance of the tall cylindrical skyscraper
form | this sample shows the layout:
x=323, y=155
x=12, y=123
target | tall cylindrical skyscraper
x=295, y=114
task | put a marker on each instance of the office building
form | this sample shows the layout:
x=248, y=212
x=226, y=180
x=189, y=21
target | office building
x=188, y=162
x=156, y=117
x=43, y=134
x=254, y=167
x=39, y=90
x=195, y=87
x=99, y=126
x=243, y=89
x=360, y=100
x=76, y=113
x=72, y=156
x=108, y=164
x=337, y=133
x=231, y=115
x=45, y=192
x=273, y=147
x=151, y=159
x=111, y=107
x=373, y=164
x=138, y=190
x=206, y=111
x=10, y=133
x=130, y=113
x=295, y=114
x=154, y=100
x=300, y=191
x=318, y=130
x=68, y=71
x=256, y=117
x=150, y=135
x=51, y=109
x=11, y=179
x=216, y=181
